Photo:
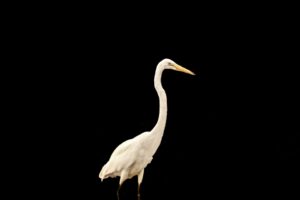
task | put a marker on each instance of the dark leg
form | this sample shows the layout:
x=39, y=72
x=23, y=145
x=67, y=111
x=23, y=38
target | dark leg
x=139, y=194
x=123, y=177
x=118, y=196
x=140, y=179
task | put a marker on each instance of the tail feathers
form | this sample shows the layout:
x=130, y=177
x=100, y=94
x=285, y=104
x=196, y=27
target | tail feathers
x=106, y=172
x=102, y=173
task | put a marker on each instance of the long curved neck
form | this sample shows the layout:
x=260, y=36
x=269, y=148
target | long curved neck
x=163, y=109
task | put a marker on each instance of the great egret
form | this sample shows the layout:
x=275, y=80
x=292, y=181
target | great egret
x=132, y=156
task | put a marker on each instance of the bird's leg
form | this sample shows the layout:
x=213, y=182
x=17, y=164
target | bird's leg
x=123, y=177
x=118, y=196
x=140, y=179
x=139, y=194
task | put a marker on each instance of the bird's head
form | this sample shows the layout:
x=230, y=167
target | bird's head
x=170, y=64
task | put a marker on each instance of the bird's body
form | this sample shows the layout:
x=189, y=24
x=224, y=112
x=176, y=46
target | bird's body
x=126, y=156
x=131, y=157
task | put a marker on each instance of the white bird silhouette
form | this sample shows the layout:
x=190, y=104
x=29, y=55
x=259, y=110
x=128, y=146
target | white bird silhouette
x=132, y=156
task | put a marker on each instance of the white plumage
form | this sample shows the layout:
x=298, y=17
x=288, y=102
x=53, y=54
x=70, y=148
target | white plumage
x=131, y=157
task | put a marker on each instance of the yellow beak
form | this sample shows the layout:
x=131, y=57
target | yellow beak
x=182, y=69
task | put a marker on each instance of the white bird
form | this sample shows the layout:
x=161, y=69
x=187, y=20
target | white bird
x=131, y=157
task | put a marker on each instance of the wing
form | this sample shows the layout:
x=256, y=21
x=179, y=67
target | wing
x=129, y=145
x=122, y=158
x=121, y=148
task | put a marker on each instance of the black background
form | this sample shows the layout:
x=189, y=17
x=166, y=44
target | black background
x=231, y=129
